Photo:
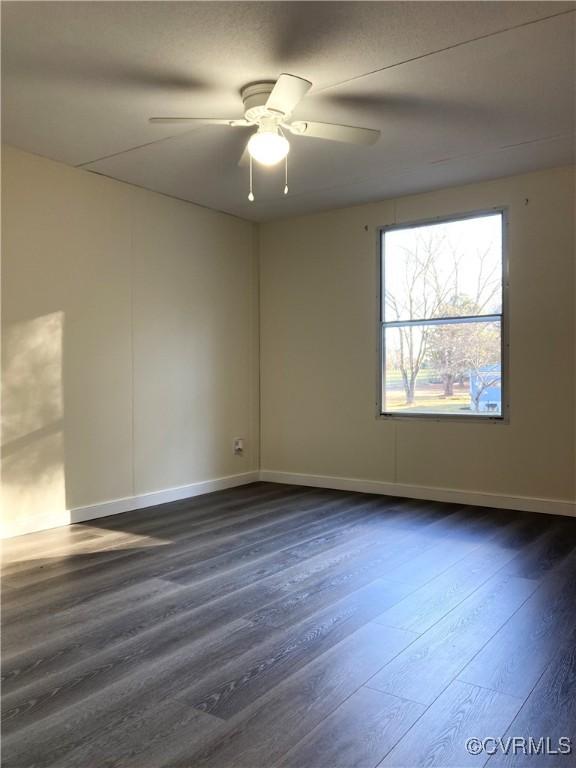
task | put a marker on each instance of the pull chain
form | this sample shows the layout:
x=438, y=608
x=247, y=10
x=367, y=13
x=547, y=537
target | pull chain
x=251, y=190
x=251, y=193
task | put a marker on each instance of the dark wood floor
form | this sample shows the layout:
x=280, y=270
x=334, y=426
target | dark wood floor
x=284, y=626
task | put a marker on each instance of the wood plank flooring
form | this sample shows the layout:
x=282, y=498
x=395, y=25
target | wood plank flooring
x=270, y=626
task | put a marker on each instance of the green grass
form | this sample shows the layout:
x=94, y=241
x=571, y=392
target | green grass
x=436, y=407
x=429, y=399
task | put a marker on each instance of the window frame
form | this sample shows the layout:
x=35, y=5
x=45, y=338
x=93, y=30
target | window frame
x=504, y=417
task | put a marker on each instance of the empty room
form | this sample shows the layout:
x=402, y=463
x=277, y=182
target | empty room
x=288, y=384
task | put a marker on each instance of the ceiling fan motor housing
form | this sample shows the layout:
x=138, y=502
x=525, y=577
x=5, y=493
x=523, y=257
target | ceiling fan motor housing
x=255, y=97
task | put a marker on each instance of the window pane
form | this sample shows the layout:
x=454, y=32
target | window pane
x=446, y=269
x=451, y=368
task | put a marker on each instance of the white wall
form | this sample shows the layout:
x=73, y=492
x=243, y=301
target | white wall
x=319, y=361
x=130, y=342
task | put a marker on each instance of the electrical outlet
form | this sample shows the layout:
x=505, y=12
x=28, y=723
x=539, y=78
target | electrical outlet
x=238, y=446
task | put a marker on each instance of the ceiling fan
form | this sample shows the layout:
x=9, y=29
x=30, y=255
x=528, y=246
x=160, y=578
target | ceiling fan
x=268, y=107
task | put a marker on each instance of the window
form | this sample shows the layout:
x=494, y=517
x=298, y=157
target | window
x=441, y=321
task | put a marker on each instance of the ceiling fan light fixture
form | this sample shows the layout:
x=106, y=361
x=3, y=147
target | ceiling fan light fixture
x=268, y=147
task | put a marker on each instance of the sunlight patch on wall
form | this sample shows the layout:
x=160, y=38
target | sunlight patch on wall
x=33, y=492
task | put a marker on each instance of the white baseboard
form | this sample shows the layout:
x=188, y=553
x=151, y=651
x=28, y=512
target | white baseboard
x=116, y=506
x=474, y=498
x=130, y=503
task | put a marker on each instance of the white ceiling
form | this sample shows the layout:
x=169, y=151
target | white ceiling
x=461, y=91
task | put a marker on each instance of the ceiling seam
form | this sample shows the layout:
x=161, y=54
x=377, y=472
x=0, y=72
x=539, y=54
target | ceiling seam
x=442, y=50
x=131, y=149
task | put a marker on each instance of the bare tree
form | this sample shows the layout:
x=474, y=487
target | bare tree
x=448, y=344
x=428, y=291
x=419, y=298
x=463, y=348
x=483, y=349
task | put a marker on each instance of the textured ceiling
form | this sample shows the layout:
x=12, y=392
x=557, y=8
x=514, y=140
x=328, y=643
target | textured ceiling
x=461, y=91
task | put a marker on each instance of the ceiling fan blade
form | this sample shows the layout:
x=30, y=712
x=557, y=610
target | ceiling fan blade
x=287, y=92
x=199, y=121
x=347, y=133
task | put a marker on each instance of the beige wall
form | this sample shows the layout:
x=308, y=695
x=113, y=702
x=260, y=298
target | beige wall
x=130, y=345
x=130, y=342
x=319, y=361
